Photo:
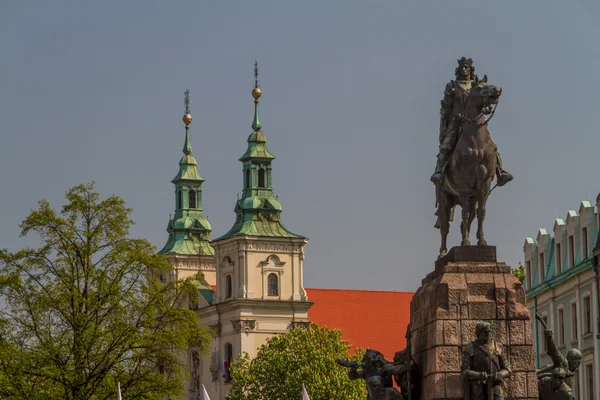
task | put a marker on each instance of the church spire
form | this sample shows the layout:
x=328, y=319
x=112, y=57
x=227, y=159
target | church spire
x=258, y=210
x=189, y=230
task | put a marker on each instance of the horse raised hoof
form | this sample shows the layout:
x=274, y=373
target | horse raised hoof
x=465, y=243
x=481, y=243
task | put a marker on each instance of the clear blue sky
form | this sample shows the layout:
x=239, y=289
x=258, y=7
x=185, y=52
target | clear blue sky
x=351, y=92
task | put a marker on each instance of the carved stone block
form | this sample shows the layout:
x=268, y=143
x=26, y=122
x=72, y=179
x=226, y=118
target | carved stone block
x=517, y=385
x=450, y=332
x=521, y=358
x=517, y=332
x=532, y=384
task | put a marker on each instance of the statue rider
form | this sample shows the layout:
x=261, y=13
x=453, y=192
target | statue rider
x=453, y=106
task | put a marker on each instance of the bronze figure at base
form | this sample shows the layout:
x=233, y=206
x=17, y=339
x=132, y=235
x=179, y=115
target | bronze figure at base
x=562, y=369
x=553, y=387
x=378, y=374
x=484, y=366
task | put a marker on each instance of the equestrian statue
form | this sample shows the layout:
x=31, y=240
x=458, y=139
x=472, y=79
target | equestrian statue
x=468, y=159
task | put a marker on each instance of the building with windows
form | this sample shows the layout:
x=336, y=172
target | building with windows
x=250, y=280
x=562, y=285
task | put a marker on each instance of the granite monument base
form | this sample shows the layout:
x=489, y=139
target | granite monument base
x=468, y=286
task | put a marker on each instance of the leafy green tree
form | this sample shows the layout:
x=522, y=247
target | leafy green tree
x=91, y=308
x=519, y=272
x=288, y=360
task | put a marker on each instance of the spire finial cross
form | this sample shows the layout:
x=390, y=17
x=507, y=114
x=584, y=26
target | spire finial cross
x=186, y=101
x=256, y=80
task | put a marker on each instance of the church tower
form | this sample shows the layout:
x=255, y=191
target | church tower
x=259, y=267
x=188, y=248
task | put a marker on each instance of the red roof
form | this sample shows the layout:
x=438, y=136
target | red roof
x=368, y=319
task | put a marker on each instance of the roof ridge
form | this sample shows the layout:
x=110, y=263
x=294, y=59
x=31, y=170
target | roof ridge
x=360, y=290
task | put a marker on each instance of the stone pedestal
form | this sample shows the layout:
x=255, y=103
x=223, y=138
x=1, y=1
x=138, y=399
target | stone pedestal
x=469, y=286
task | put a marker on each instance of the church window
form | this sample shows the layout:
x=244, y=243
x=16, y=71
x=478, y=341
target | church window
x=228, y=286
x=179, y=200
x=273, y=284
x=227, y=361
x=192, y=199
x=261, y=177
x=248, y=178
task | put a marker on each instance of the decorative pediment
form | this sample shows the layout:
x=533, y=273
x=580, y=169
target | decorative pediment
x=272, y=261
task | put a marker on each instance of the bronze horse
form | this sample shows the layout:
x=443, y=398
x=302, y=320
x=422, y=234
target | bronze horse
x=471, y=167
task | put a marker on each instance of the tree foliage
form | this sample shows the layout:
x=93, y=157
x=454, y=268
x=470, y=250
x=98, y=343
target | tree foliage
x=89, y=309
x=288, y=360
x=519, y=272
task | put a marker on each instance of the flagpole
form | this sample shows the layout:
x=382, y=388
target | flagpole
x=304, y=393
x=204, y=393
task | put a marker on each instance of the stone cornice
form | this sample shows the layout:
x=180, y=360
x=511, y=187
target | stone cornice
x=568, y=274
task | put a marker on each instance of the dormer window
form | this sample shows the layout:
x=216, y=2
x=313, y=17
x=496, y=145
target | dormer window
x=192, y=199
x=261, y=177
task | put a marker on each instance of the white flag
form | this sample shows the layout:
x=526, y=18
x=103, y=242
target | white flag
x=204, y=393
x=304, y=393
x=119, y=387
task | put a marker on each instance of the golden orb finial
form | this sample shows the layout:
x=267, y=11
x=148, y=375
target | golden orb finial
x=187, y=117
x=256, y=93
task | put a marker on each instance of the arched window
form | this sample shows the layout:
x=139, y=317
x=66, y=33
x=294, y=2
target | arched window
x=228, y=286
x=261, y=177
x=273, y=284
x=192, y=199
x=179, y=200
x=248, y=178
x=227, y=361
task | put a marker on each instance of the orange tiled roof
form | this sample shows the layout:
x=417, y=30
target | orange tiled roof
x=368, y=319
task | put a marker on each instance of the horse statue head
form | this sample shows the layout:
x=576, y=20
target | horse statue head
x=481, y=97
